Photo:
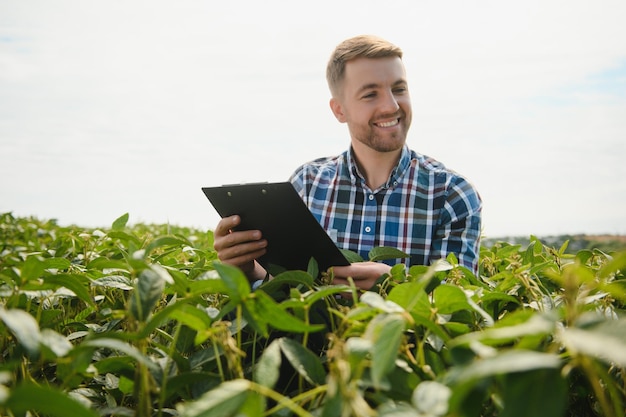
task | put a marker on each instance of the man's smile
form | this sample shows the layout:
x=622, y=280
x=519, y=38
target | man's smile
x=389, y=123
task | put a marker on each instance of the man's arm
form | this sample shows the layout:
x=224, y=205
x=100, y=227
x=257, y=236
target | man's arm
x=459, y=227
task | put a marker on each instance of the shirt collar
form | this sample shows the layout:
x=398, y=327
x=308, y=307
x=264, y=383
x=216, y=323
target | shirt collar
x=394, y=178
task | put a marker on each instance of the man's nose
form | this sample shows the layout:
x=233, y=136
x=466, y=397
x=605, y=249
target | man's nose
x=389, y=103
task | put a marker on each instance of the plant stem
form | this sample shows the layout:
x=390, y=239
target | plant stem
x=218, y=360
x=302, y=397
x=144, y=408
x=167, y=368
x=594, y=380
x=239, y=315
x=280, y=399
x=307, y=320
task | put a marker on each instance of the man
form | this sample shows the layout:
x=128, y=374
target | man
x=378, y=192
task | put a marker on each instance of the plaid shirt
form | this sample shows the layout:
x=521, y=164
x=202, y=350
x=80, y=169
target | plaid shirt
x=424, y=209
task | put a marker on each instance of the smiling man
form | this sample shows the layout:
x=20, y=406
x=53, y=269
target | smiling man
x=378, y=192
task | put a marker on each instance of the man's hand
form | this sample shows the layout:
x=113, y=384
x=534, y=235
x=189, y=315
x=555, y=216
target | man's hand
x=240, y=248
x=364, y=274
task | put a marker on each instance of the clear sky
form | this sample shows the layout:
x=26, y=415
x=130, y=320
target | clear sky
x=108, y=107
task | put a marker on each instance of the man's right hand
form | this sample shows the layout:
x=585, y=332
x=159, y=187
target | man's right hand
x=240, y=248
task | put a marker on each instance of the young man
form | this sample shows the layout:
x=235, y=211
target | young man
x=378, y=192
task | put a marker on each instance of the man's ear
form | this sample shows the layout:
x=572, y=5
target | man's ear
x=337, y=109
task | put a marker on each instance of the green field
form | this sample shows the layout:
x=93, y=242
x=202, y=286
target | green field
x=142, y=320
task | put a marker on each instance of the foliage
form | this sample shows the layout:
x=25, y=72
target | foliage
x=144, y=321
x=575, y=243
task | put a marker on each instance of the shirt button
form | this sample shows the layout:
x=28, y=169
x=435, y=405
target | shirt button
x=371, y=197
x=368, y=229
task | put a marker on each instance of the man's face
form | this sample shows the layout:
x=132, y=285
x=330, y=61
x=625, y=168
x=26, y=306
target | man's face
x=375, y=103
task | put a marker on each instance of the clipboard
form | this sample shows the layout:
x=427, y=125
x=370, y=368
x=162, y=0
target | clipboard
x=293, y=234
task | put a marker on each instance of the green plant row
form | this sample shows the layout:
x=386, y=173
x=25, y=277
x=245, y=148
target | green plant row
x=144, y=321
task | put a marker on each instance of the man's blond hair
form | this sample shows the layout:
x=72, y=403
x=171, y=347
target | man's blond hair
x=362, y=46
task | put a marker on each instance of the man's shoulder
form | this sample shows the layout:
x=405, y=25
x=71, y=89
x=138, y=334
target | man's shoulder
x=326, y=163
x=429, y=163
x=441, y=172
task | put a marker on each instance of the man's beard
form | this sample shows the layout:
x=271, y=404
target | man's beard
x=389, y=143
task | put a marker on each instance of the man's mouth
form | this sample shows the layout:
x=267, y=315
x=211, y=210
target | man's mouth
x=389, y=123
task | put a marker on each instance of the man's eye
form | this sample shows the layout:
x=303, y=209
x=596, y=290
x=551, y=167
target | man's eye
x=369, y=95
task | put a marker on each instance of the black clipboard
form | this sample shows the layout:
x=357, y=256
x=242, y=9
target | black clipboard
x=293, y=234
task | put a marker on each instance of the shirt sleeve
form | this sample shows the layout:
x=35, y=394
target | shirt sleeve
x=297, y=180
x=459, y=227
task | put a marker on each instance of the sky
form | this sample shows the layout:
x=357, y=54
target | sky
x=113, y=107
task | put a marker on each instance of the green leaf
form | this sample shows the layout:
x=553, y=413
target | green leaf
x=254, y=406
x=24, y=327
x=56, y=263
x=383, y=253
x=251, y=315
x=123, y=364
x=183, y=381
x=386, y=332
x=237, y=285
x=456, y=328
x=375, y=300
x=126, y=385
x=191, y=316
x=498, y=296
x=124, y=237
x=504, y=363
x=267, y=369
x=614, y=264
x=120, y=222
x=206, y=286
x=73, y=283
x=32, y=268
x=323, y=292
x=45, y=401
x=100, y=263
x=312, y=268
x=583, y=256
x=605, y=341
x=537, y=324
x=617, y=289
x=412, y=297
x=357, y=349
x=223, y=401
x=544, y=394
x=351, y=256
x=509, y=250
x=160, y=317
x=114, y=281
x=429, y=324
x=431, y=398
x=55, y=342
x=274, y=315
x=449, y=299
x=393, y=409
x=148, y=292
x=305, y=362
x=122, y=347
x=291, y=278
x=166, y=241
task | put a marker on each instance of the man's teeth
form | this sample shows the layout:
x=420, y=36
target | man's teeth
x=388, y=124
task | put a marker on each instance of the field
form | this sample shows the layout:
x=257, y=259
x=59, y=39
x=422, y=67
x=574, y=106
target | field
x=142, y=320
x=575, y=242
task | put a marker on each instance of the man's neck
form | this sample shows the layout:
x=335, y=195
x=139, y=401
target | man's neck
x=375, y=166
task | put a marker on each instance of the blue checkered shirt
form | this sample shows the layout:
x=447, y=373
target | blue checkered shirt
x=424, y=209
